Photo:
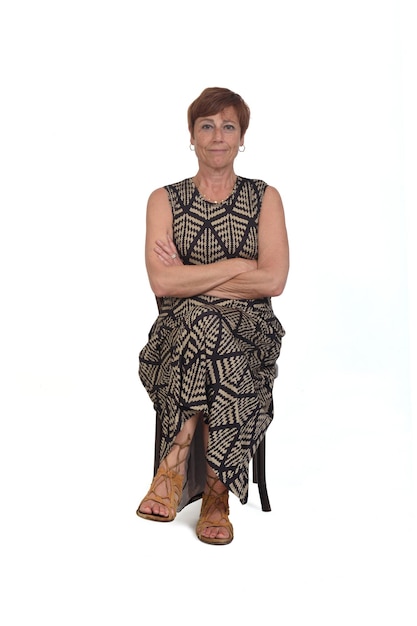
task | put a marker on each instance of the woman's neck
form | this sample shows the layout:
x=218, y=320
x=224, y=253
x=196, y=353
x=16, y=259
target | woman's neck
x=215, y=188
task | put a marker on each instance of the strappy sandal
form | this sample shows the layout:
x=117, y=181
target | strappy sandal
x=214, y=513
x=169, y=481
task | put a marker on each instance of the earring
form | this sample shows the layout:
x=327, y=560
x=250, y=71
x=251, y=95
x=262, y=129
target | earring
x=192, y=147
x=242, y=148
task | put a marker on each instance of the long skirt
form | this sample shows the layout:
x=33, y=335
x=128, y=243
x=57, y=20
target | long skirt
x=217, y=357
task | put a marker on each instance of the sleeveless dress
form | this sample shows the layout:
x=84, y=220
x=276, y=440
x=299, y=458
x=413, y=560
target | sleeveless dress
x=210, y=354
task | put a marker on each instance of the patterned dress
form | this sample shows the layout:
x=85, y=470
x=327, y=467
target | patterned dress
x=209, y=354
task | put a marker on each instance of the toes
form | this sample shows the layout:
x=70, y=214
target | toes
x=154, y=508
x=215, y=532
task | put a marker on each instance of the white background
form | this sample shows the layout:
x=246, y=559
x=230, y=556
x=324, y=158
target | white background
x=93, y=118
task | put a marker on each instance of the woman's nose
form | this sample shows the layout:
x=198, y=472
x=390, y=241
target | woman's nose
x=218, y=134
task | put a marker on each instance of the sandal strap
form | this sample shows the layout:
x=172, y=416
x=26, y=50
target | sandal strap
x=173, y=483
x=220, y=502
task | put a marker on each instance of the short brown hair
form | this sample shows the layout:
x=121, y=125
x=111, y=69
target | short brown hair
x=212, y=101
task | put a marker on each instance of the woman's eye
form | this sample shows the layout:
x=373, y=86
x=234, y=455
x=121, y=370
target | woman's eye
x=229, y=127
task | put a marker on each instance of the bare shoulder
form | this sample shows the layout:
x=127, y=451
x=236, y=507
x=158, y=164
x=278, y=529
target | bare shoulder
x=272, y=202
x=159, y=208
x=272, y=195
x=158, y=197
x=158, y=214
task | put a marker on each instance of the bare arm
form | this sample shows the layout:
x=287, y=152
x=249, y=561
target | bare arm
x=169, y=277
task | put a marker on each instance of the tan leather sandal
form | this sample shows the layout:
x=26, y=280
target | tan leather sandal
x=167, y=480
x=214, y=513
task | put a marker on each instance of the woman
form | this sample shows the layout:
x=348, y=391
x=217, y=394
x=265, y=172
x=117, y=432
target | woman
x=216, y=252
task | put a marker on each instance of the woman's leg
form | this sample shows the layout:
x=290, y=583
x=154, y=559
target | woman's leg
x=174, y=461
x=217, y=511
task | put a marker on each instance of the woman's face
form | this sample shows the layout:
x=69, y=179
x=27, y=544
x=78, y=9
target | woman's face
x=217, y=138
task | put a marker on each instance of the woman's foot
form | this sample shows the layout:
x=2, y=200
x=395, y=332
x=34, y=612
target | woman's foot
x=214, y=526
x=161, y=502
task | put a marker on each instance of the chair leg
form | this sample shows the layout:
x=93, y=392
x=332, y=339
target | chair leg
x=158, y=430
x=259, y=475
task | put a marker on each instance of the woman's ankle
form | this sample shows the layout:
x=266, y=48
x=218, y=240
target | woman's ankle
x=214, y=486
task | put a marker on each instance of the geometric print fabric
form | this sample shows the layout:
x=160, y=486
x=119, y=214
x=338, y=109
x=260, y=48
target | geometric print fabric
x=212, y=355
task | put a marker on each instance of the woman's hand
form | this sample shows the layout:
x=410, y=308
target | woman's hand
x=167, y=252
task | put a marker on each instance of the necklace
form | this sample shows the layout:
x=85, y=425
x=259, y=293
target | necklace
x=209, y=199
